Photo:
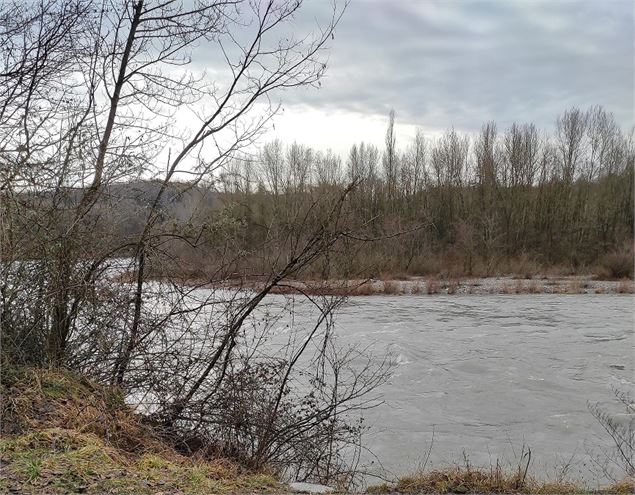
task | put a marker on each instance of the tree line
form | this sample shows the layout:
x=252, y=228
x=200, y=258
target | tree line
x=517, y=200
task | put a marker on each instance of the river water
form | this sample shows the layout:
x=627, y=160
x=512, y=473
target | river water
x=483, y=375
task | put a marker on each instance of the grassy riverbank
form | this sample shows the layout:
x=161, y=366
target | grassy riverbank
x=464, y=480
x=64, y=434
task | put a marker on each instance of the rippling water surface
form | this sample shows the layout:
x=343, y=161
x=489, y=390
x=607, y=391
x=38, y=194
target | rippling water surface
x=489, y=373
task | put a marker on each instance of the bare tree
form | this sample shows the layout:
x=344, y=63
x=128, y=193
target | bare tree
x=389, y=159
x=570, y=131
x=102, y=107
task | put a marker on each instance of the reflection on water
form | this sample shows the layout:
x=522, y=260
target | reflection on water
x=489, y=373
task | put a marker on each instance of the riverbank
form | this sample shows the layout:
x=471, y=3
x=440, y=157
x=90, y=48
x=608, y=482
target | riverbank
x=62, y=433
x=470, y=480
x=435, y=286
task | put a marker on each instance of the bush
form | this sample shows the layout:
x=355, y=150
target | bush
x=619, y=264
x=618, y=420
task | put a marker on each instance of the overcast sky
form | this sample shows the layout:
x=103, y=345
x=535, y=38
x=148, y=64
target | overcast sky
x=443, y=63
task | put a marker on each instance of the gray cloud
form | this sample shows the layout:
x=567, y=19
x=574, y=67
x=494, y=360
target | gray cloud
x=440, y=63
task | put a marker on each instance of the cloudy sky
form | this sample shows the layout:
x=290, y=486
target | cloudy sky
x=443, y=63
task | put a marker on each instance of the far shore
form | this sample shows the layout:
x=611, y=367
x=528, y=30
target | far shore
x=575, y=284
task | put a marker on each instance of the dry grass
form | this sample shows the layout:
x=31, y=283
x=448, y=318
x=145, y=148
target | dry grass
x=521, y=286
x=453, y=286
x=416, y=288
x=432, y=286
x=521, y=267
x=473, y=480
x=363, y=289
x=618, y=264
x=457, y=481
x=507, y=288
x=327, y=288
x=627, y=485
x=390, y=265
x=64, y=434
x=577, y=286
x=392, y=287
x=533, y=287
x=38, y=399
x=625, y=287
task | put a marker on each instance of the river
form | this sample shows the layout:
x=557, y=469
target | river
x=485, y=375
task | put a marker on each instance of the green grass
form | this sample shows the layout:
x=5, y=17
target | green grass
x=64, y=434
x=61, y=461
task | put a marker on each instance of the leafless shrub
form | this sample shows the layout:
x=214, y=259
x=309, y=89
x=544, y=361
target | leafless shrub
x=618, y=421
x=363, y=289
x=416, y=287
x=619, y=264
x=453, y=285
x=393, y=287
x=625, y=287
x=432, y=286
x=576, y=286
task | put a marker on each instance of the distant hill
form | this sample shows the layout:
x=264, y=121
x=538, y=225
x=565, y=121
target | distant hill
x=126, y=204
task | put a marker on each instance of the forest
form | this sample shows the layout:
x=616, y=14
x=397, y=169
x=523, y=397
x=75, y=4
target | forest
x=518, y=201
